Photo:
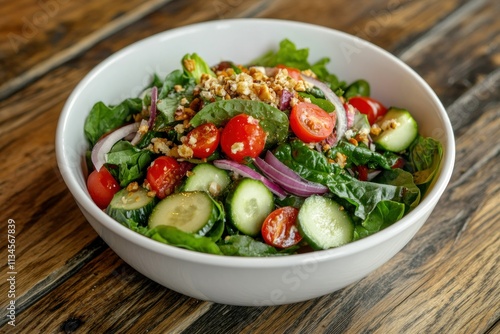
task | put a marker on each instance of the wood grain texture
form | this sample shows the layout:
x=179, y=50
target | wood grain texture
x=446, y=280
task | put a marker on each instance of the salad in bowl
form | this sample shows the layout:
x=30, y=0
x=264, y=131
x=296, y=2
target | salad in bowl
x=271, y=158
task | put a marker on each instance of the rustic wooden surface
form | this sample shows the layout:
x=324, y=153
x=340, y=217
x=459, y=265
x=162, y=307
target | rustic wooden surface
x=446, y=280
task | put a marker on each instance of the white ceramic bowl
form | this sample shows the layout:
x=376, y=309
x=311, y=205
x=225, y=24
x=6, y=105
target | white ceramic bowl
x=236, y=280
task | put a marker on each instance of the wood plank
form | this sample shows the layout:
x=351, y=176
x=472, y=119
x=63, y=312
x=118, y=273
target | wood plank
x=41, y=34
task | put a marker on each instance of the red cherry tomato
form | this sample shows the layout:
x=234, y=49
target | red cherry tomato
x=372, y=108
x=399, y=163
x=242, y=137
x=362, y=172
x=164, y=175
x=292, y=72
x=102, y=186
x=280, y=228
x=311, y=123
x=203, y=140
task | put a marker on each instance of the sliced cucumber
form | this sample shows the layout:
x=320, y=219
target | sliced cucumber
x=193, y=212
x=249, y=205
x=399, y=130
x=135, y=205
x=324, y=224
x=207, y=177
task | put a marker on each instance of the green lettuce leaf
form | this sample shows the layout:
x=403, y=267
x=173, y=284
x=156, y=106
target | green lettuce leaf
x=423, y=160
x=131, y=162
x=103, y=118
x=173, y=236
x=385, y=214
x=194, y=66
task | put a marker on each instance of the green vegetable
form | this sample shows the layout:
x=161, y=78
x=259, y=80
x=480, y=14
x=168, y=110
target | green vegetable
x=248, y=205
x=357, y=88
x=290, y=56
x=324, y=223
x=362, y=155
x=320, y=102
x=194, y=66
x=424, y=159
x=385, y=214
x=173, y=236
x=242, y=245
x=131, y=161
x=135, y=205
x=363, y=196
x=273, y=121
x=103, y=118
x=192, y=212
x=400, y=137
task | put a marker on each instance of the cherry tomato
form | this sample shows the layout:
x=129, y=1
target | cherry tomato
x=164, y=175
x=362, y=172
x=102, y=186
x=203, y=140
x=372, y=108
x=280, y=228
x=292, y=72
x=242, y=137
x=311, y=123
x=399, y=163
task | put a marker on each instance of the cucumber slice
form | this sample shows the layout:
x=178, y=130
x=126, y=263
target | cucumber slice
x=207, y=177
x=192, y=212
x=400, y=135
x=249, y=205
x=135, y=205
x=324, y=224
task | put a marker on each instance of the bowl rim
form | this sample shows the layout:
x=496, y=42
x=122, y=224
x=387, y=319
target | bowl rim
x=83, y=199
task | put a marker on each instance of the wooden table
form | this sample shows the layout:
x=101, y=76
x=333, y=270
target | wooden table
x=66, y=279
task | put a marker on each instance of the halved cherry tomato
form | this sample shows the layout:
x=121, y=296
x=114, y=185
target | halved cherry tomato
x=102, y=186
x=372, y=108
x=203, y=140
x=311, y=123
x=280, y=228
x=164, y=175
x=399, y=163
x=362, y=172
x=292, y=72
x=242, y=137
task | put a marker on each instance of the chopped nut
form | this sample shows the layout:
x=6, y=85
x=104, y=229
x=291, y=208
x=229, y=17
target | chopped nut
x=375, y=129
x=133, y=186
x=341, y=160
x=189, y=64
x=353, y=141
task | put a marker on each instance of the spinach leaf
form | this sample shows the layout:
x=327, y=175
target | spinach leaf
x=424, y=159
x=322, y=103
x=290, y=56
x=395, y=185
x=385, y=214
x=169, y=98
x=131, y=161
x=103, y=118
x=273, y=121
x=242, y=245
x=194, y=66
x=362, y=155
x=358, y=88
x=173, y=236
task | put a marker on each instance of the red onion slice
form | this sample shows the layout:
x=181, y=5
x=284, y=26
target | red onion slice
x=271, y=159
x=340, y=111
x=286, y=97
x=104, y=145
x=246, y=171
x=152, y=109
x=293, y=186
